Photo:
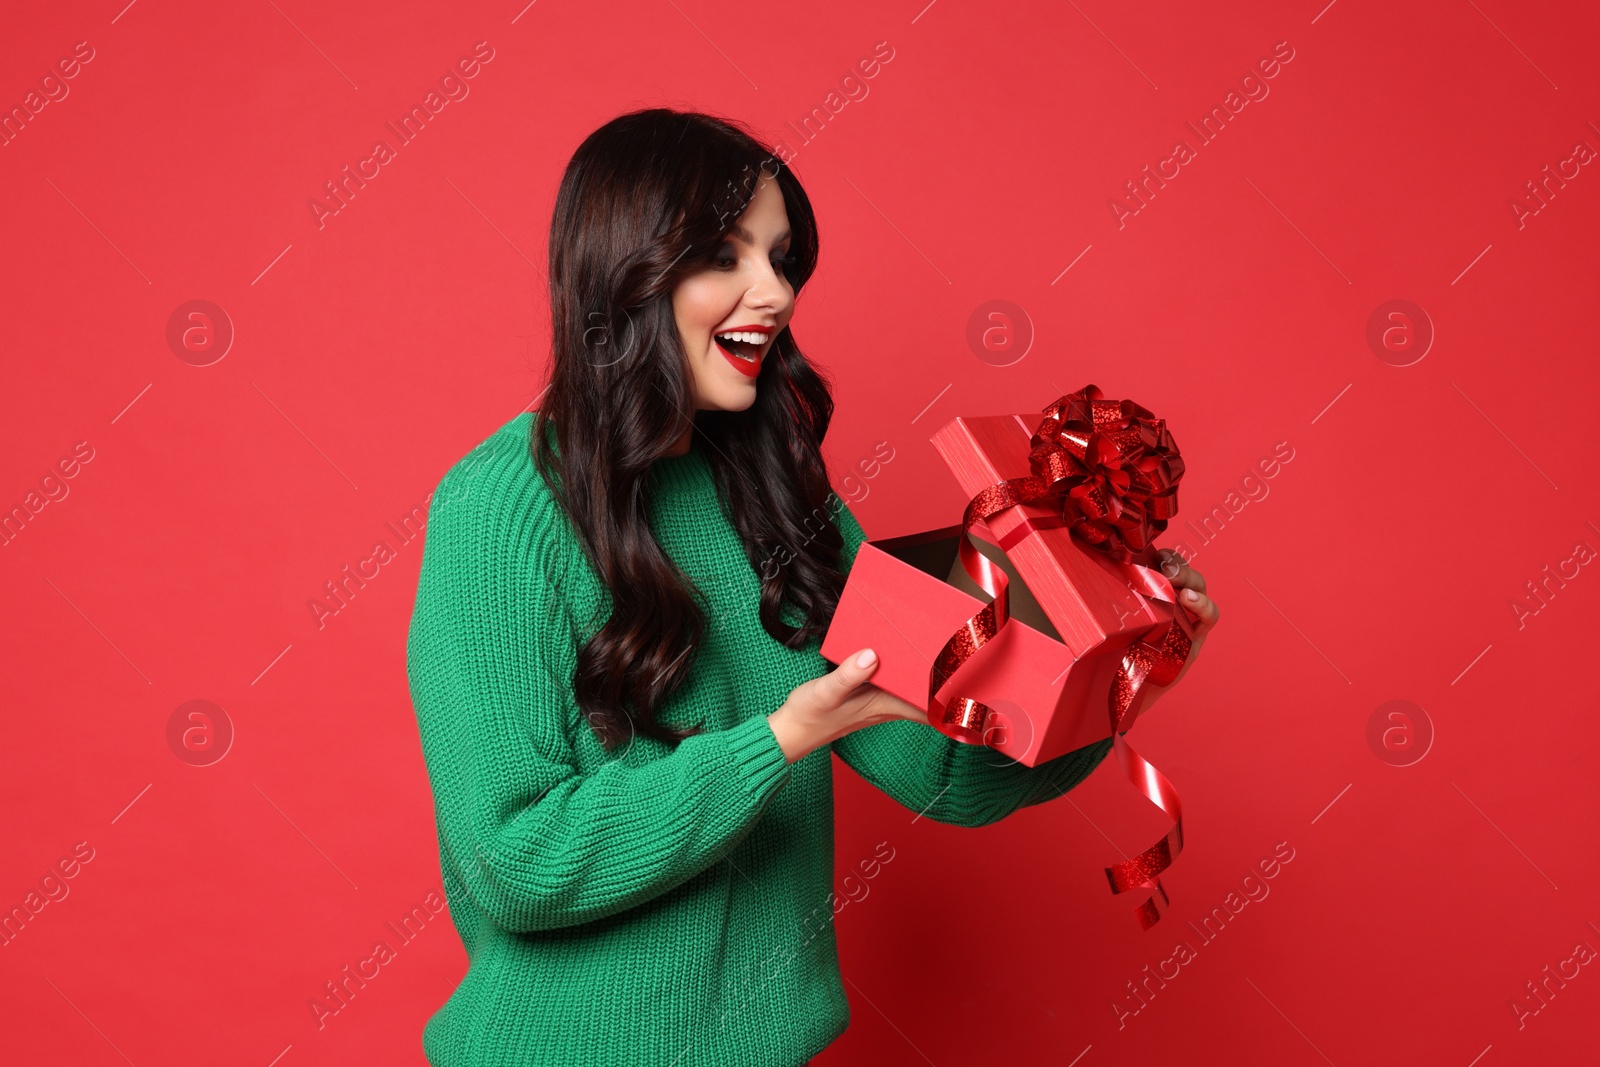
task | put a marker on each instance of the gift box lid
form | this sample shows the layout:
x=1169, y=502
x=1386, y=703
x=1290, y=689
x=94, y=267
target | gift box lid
x=1080, y=589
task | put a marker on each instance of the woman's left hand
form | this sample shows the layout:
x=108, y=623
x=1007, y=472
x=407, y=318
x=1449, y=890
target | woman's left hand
x=1190, y=585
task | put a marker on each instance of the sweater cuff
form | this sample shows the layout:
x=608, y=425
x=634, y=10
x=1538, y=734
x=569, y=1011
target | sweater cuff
x=758, y=759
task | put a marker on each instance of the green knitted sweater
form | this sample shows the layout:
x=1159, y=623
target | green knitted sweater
x=660, y=907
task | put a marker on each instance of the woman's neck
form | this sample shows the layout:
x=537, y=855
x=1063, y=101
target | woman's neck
x=681, y=446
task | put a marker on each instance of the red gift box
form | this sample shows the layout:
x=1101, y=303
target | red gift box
x=1048, y=672
x=1043, y=613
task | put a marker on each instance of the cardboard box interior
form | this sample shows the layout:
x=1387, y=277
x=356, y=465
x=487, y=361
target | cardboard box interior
x=937, y=553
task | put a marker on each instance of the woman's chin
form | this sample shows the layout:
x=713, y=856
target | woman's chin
x=739, y=398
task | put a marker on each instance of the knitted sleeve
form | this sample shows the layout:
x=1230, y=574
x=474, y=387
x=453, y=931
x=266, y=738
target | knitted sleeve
x=945, y=779
x=490, y=656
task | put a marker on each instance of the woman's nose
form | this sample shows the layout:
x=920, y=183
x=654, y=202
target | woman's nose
x=767, y=290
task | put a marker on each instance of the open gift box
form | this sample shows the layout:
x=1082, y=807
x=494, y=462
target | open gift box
x=1047, y=675
x=1070, y=621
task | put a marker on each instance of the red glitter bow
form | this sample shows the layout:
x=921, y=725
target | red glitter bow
x=1112, y=469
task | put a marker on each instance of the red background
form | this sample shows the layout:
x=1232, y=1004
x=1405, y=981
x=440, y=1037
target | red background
x=370, y=353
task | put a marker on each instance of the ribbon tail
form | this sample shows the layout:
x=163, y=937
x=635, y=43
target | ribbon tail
x=1159, y=664
x=1150, y=912
x=1144, y=870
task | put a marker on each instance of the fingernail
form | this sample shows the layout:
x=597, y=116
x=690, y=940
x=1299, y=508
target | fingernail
x=1190, y=594
x=866, y=659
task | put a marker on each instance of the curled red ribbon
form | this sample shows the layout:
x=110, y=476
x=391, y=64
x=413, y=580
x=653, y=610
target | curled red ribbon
x=1112, y=469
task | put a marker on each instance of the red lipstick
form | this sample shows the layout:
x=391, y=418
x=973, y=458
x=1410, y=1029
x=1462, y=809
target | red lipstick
x=750, y=368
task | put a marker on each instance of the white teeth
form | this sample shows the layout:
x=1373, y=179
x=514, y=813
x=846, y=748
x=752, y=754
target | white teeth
x=747, y=336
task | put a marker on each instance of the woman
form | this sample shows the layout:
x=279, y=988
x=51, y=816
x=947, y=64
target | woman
x=623, y=710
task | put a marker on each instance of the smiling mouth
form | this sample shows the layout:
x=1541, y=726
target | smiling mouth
x=748, y=351
x=744, y=349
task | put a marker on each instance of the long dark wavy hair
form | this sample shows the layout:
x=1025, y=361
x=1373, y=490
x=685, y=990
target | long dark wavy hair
x=646, y=199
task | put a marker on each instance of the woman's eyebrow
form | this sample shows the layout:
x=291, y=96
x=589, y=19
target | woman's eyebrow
x=749, y=238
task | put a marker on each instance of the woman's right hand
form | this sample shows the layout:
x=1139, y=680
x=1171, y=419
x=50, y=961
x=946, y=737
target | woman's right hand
x=837, y=703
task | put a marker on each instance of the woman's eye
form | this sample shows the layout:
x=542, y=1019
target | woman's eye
x=727, y=260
